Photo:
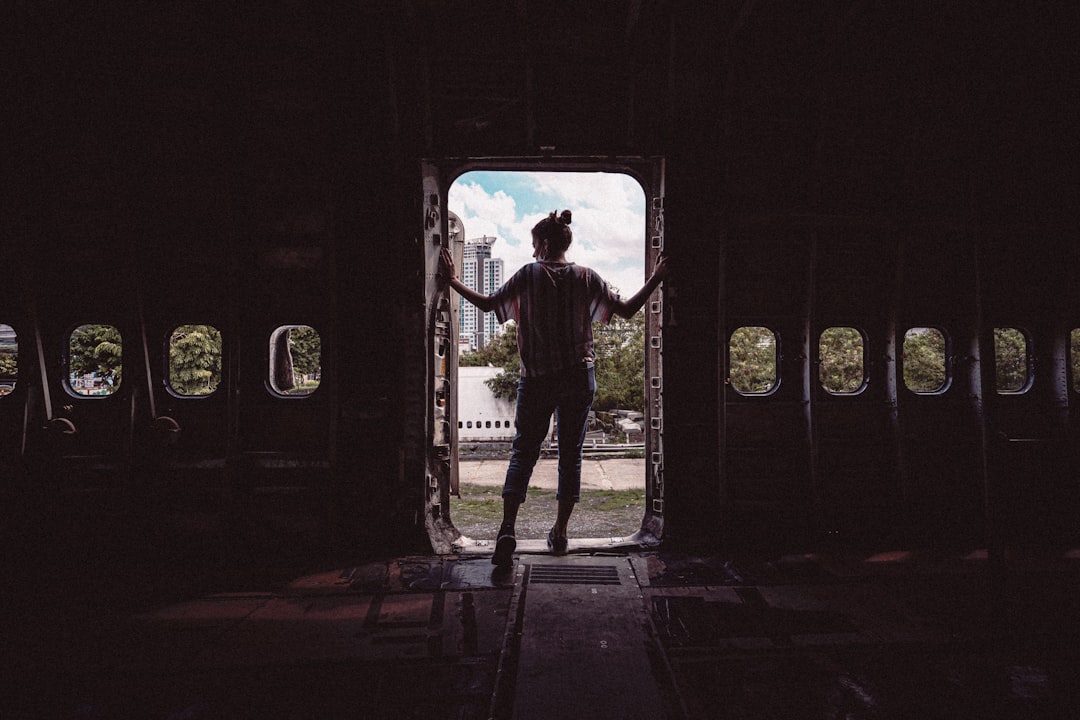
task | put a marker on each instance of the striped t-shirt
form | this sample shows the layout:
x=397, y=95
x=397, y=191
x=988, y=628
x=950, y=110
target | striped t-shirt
x=554, y=305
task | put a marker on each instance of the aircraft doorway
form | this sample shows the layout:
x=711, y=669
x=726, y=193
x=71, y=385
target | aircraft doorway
x=617, y=227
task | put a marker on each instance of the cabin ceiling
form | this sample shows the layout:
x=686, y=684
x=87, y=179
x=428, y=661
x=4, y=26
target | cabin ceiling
x=953, y=109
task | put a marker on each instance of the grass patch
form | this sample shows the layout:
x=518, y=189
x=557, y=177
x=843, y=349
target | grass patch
x=481, y=503
x=608, y=500
x=601, y=513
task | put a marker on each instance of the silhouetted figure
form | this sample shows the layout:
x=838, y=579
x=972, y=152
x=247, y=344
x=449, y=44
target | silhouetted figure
x=554, y=303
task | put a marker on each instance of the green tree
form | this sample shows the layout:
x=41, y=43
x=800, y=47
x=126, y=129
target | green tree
x=9, y=370
x=306, y=348
x=924, y=359
x=295, y=360
x=1074, y=357
x=752, y=359
x=9, y=367
x=502, y=352
x=841, y=355
x=620, y=364
x=1010, y=359
x=195, y=359
x=505, y=384
x=96, y=350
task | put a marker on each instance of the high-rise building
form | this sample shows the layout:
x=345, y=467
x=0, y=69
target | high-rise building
x=484, y=274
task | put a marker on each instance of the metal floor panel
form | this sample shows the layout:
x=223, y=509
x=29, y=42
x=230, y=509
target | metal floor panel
x=646, y=635
x=584, y=649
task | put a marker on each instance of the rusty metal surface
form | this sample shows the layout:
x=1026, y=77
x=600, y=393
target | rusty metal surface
x=653, y=635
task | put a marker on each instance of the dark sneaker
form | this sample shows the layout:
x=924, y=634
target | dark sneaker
x=557, y=545
x=504, y=548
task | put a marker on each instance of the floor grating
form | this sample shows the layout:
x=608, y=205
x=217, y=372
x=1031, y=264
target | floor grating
x=574, y=575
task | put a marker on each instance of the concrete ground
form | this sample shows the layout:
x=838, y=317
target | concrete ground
x=596, y=474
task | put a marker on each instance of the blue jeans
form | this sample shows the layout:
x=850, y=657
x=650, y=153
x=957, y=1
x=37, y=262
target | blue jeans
x=569, y=394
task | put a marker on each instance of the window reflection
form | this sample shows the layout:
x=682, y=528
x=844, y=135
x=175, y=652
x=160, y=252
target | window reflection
x=295, y=360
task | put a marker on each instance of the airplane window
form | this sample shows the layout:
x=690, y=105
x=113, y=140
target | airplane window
x=194, y=360
x=9, y=359
x=295, y=360
x=924, y=360
x=752, y=360
x=94, y=362
x=842, y=360
x=1074, y=358
x=1013, y=374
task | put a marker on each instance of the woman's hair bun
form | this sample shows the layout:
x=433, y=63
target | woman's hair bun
x=555, y=231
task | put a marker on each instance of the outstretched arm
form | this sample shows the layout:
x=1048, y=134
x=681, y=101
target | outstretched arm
x=628, y=308
x=483, y=302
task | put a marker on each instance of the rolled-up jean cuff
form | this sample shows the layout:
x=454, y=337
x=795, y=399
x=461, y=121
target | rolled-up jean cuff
x=513, y=492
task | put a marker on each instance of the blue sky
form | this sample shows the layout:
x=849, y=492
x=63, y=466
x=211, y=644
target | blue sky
x=608, y=225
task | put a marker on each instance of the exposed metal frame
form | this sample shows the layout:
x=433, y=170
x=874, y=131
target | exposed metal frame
x=441, y=451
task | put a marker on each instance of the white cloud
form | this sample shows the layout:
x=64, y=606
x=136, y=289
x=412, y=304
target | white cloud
x=605, y=191
x=482, y=212
x=609, y=219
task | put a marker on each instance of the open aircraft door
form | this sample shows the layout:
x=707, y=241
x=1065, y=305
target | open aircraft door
x=441, y=229
x=444, y=229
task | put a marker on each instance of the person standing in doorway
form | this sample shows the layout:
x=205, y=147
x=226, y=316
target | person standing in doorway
x=554, y=303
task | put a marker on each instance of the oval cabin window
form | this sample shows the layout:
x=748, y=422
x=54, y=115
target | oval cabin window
x=95, y=360
x=925, y=369
x=9, y=359
x=842, y=360
x=752, y=359
x=194, y=360
x=295, y=360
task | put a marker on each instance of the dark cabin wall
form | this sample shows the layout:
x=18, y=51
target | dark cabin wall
x=863, y=158
x=898, y=143
x=172, y=150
